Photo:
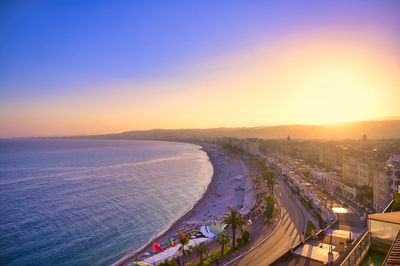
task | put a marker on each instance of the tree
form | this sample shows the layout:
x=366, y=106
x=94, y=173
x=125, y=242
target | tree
x=269, y=208
x=364, y=195
x=234, y=219
x=201, y=249
x=184, y=241
x=222, y=240
x=396, y=202
x=245, y=237
x=271, y=179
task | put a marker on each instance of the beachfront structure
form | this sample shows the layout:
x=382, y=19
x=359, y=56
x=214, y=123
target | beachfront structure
x=173, y=251
x=251, y=145
x=209, y=231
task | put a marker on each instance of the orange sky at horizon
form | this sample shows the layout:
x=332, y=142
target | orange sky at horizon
x=309, y=78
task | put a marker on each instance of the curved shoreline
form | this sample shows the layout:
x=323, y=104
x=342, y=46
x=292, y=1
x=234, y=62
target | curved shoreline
x=173, y=226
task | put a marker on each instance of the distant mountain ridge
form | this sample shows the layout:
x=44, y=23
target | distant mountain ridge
x=387, y=129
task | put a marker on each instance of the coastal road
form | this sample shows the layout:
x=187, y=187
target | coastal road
x=286, y=235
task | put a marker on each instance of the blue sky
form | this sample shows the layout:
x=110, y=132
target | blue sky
x=57, y=47
x=49, y=46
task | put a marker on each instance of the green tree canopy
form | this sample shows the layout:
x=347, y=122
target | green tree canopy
x=222, y=240
x=234, y=219
x=201, y=249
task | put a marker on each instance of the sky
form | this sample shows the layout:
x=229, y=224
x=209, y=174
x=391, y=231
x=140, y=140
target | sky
x=94, y=67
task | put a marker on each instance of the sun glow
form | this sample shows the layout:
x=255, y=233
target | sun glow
x=317, y=80
x=337, y=93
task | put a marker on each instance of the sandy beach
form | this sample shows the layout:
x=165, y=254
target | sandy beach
x=230, y=187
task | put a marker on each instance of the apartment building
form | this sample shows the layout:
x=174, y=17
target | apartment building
x=251, y=145
x=363, y=172
x=393, y=170
x=327, y=156
x=330, y=155
x=356, y=168
x=380, y=185
x=350, y=167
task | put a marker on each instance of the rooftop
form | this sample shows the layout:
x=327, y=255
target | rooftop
x=391, y=217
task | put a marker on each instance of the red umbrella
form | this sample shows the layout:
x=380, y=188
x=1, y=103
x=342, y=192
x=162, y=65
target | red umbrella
x=157, y=247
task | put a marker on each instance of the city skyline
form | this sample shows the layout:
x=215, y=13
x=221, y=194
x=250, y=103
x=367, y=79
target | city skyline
x=108, y=68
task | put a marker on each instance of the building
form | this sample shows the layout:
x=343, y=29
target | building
x=237, y=143
x=223, y=141
x=356, y=168
x=350, y=167
x=272, y=147
x=327, y=156
x=330, y=155
x=383, y=228
x=363, y=172
x=330, y=181
x=382, y=190
x=251, y=145
x=393, y=171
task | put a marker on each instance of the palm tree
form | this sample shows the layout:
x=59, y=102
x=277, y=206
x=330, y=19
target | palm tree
x=234, y=219
x=183, y=241
x=222, y=240
x=201, y=249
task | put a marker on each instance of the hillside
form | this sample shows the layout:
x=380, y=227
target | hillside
x=386, y=129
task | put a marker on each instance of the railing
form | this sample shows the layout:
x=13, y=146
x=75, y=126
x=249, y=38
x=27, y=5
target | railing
x=359, y=251
x=388, y=207
x=385, y=262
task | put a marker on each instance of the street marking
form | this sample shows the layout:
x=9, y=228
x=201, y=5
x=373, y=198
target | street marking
x=262, y=241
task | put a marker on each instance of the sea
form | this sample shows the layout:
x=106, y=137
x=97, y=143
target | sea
x=90, y=202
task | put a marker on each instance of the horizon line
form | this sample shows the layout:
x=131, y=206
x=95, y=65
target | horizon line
x=394, y=118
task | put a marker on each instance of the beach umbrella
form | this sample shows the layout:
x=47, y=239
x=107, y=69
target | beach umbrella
x=157, y=247
x=170, y=242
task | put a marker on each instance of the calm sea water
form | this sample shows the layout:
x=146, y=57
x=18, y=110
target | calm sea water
x=89, y=202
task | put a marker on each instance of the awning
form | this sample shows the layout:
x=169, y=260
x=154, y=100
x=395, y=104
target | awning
x=170, y=252
x=390, y=217
x=205, y=230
